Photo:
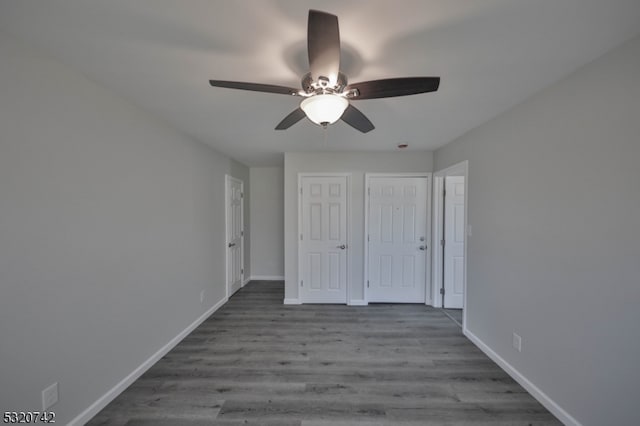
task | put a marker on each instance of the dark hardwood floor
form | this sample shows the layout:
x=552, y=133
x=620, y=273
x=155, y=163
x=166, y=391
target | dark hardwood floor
x=259, y=362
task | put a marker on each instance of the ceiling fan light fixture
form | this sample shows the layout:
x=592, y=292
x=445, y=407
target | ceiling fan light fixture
x=324, y=109
x=327, y=96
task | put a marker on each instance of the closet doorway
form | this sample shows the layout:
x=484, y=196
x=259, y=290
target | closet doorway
x=451, y=232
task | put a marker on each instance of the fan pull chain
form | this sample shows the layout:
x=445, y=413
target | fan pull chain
x=324, y=133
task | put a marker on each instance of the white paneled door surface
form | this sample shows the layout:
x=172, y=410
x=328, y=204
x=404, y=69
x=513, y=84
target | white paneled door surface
x=323, y=239
x=235, y=233
x=454, y=235
x=397, y=239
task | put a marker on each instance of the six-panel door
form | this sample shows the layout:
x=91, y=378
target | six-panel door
x=323, y=239
x=234, y=235
x=397, y=239
x=454, y=235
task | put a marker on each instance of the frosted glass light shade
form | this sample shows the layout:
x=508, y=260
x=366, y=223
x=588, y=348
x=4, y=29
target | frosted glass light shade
x=324, y=109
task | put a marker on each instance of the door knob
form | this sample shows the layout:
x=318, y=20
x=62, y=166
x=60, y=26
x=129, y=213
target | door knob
x=422, y=248
x=342, y=247
x=232, y=244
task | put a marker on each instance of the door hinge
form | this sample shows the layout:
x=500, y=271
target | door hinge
x=442, y=291
x=368, y=237
x=367, y=283
x=242, y=195
x=442, y=243
x=242, y=233
x=300, y=237
x=301, y=283
x=444, y=192
x=242, y=271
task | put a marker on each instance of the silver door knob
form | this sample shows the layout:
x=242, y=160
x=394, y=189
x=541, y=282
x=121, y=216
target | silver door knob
x=422, y=248
x=342, y=247
x=232, y=244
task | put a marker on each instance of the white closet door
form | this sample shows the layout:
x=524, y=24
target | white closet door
x=454, y=235
x=323, y=239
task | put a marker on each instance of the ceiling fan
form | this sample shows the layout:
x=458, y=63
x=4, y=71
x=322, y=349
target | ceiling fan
x=325, y=90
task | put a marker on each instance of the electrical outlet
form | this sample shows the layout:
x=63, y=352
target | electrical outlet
x=517, y=342
x=202, y=296
x=50, y=396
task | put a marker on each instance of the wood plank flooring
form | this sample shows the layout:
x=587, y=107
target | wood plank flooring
x=259, y=362
x=455, y=315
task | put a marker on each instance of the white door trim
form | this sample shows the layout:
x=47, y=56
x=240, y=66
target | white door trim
x=458, y=169
x=227, y=180
x=349, y=245
x=367, y=180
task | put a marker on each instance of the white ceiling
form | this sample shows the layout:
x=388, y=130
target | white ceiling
x=160, y=54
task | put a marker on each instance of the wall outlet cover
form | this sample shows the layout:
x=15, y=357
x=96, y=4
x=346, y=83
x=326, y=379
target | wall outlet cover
x=50, y=396
x=517, y=342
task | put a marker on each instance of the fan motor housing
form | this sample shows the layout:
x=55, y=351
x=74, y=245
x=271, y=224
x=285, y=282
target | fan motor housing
x=322, y=84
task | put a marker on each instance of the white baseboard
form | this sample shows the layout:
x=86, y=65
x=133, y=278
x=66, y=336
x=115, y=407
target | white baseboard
x=538, y=394
x=359, y=302
x=105, y=399
x=246, y=281
x=292, y=302
x=268, y=277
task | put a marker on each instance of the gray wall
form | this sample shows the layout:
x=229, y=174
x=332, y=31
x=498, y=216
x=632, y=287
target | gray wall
x=267, y=222
x=111, y=224
x=554, y=202
x=357, y=163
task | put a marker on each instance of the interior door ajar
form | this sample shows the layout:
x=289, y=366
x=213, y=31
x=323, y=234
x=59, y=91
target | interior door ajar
x=397, y=239
x=323, y=239
x=454, y=236
x=235, y=233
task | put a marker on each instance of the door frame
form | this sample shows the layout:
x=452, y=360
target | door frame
x=227, y=181
x=347, y=176
x=458, y=169
x=367, y=182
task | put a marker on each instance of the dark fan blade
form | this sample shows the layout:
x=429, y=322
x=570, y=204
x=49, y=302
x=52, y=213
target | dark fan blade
x=256, y=87
x=391, y=87
x=323, y=45
x=291, y=119
x=356, y=119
